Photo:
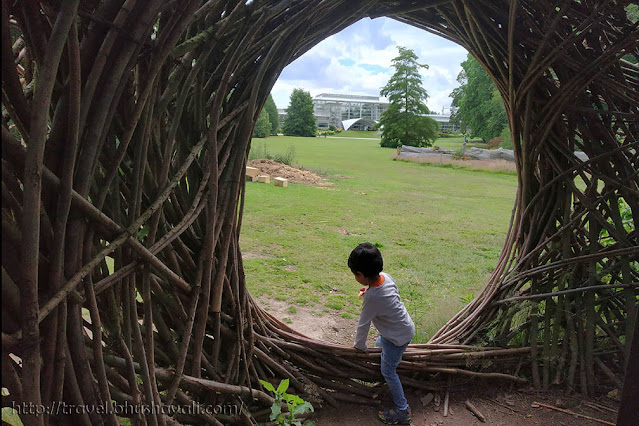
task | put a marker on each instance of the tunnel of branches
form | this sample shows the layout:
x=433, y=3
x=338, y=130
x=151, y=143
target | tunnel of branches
x=126, y=126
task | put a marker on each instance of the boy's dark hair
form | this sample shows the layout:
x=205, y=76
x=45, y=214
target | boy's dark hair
x=367, y=259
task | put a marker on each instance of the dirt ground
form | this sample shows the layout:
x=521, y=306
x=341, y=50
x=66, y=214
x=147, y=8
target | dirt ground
x=274, y=169
x=499, y=406
x=329, y=327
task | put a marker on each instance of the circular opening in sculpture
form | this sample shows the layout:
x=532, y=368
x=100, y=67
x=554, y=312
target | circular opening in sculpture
x=439, y=222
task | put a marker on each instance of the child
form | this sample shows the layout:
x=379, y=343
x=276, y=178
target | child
x=383, y=306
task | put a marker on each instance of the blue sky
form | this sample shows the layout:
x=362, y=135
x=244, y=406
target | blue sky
x=358, y=61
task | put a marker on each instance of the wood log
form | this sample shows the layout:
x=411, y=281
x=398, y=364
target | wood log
x=471, y=407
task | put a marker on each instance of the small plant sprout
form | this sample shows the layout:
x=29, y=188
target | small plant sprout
x=296, y=405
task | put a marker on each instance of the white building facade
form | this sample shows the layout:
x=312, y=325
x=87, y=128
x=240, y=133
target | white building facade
x=332, y=109
x=359, y=112
x=445, y=126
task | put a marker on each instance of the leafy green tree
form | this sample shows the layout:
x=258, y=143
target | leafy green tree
x=262, y=126
x=300, y=117
x=273, y=116
x=633, y=12
x=479, y=105
x=633, y=15
x=404, y=122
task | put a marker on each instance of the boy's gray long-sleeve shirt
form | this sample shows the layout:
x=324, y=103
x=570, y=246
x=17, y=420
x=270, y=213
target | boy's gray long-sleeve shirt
x=383, y=306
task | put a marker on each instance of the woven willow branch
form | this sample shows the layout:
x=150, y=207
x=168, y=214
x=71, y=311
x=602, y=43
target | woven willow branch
x=126, y=128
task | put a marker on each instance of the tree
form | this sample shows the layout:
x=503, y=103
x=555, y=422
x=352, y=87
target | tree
x=633, y=12
x=633, y=15
x=300, y=119
x=273, y=116
x=404, y=122
x=479, y=105
x=263, y=125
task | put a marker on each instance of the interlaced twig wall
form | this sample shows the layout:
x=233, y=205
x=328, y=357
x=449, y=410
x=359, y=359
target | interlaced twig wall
x=126, y=127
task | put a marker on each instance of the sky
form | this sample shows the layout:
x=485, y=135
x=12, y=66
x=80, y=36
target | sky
x=358, y=61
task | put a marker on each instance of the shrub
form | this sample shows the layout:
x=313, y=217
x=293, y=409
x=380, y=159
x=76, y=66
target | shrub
x=259, y=150
x=507, y=143
x=444, y=135
x=495, y=142
x=286, y=158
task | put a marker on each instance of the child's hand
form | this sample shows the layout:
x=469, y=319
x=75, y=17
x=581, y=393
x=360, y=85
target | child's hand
x=361, y=292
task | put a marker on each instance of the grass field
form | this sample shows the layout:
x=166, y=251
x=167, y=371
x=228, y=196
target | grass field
x=440, y=229
x=357, y=134
x=456, y=143
x=447, y=143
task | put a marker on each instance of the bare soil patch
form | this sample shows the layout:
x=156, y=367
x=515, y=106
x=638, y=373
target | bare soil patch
x=345, y=231
x=313, y=322
x=254, y=255
x=498, y=405
x=275, y=169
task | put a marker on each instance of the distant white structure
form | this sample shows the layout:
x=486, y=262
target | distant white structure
x=281, y=115
x=333, y=109
x=359, y=112
x=445, y=125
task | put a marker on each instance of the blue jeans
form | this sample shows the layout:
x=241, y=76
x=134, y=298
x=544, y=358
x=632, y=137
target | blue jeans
x=391, y=356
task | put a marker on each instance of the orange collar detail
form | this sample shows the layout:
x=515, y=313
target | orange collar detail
x=379, y=281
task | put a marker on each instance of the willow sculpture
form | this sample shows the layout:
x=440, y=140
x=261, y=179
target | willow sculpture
x=125, y=131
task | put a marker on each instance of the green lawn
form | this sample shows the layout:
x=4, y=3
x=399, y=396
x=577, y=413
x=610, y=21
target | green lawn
x=456, y=143
x=357, y=134
x=440, y=229
x=448, y=143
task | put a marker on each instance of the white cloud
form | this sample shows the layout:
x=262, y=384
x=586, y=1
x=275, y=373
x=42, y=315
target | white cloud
x=358, y=60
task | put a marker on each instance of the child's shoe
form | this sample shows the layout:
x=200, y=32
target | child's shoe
x=393, y=416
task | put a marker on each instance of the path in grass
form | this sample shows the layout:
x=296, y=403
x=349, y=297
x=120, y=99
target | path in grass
x=440, y=230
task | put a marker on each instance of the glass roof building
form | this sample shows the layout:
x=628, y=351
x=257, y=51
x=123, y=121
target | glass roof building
x=358, y=112
x=332, y=109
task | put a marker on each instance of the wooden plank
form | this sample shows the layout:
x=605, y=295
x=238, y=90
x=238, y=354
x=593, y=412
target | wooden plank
x=280, y=181
x=253, y=172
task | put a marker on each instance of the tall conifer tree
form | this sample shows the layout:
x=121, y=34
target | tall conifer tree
x=404, y=122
